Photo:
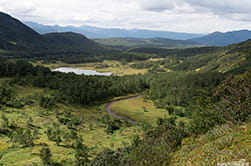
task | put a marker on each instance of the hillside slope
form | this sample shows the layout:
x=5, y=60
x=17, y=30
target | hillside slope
x=14, y=33
x=223, y=144
x=227, y=59
x=234, y=58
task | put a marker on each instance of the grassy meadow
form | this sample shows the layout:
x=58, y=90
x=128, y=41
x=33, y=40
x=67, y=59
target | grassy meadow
x=92, y=130
x=139, y=109
x=116, y=67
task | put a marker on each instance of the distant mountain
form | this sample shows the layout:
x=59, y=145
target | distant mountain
x=74, y=42
x=141, y=42
x=68, y=38
x=14, y=35
x=223, y=39
x=96, y=32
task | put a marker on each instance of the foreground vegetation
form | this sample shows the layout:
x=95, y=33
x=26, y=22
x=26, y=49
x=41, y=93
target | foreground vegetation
x=227, y=143
x=28, y=123
x=54, y=118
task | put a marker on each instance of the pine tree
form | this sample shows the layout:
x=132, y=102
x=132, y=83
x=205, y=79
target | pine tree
x=81, y=153
x=45, y=155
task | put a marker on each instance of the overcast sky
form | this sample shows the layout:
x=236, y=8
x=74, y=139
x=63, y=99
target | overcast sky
x=197, y=16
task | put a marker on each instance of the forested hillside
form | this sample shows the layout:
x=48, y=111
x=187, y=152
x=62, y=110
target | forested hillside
x=232, y=58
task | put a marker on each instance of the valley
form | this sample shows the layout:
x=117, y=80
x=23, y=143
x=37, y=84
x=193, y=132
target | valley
x=161, y=102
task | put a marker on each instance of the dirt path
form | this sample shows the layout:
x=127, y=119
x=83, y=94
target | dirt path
x=108, y=109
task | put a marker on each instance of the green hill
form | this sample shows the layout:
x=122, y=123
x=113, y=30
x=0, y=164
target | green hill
x=232, y=58
x=227, y=59
x=71, y=41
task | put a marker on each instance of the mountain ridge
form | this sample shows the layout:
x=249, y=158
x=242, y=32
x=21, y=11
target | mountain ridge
x=216, y=38
x=222, y=39
x=97, y=32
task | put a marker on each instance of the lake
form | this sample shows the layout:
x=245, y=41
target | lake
x=81, y=71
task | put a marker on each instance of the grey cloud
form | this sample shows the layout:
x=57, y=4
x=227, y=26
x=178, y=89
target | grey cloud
x=223, y=6
x=157, y=5
x=173, y=15
x=218, y=6
x=229, y=9
x=235, y=9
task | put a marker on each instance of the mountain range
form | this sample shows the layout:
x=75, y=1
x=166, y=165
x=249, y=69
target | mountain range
x=142, y=37
x=97, y=32
x=14, y=35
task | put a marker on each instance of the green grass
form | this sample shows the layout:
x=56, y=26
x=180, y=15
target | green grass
x=137, y=109
x=220, y=145
x=92, y=131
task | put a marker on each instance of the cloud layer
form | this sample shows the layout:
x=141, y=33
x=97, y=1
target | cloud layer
x=174, y=15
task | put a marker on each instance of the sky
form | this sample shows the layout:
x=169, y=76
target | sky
x=193, y=16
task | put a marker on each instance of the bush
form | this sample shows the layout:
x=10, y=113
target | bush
x=158, y=143
x=110, y=157
x=46, y=101
x=23, y=137
x=45, y=155
x=235, y=96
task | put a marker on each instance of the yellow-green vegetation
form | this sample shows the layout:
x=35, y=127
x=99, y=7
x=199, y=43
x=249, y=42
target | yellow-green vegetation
x=140, y=42
x=92, y=130
x=116, y=67
x=138, y=109
x=221, y=144
x=231, y=61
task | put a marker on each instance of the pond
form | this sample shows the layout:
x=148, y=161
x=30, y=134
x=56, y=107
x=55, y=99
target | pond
x=81, y=71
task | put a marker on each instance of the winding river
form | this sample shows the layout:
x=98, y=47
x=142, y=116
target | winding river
x=108, y=109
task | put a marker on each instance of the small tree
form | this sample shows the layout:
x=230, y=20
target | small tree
x=45, y=155
x=54, y=133
x=29, y=122
x=23, y=137
x=81, y=153
x=5, y=122
x=46, y=102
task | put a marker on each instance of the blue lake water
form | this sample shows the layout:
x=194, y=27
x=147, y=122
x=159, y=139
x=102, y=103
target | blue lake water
x=81, y=71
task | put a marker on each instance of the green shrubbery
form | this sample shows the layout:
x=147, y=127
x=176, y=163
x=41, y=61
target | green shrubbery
x=229, y=102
